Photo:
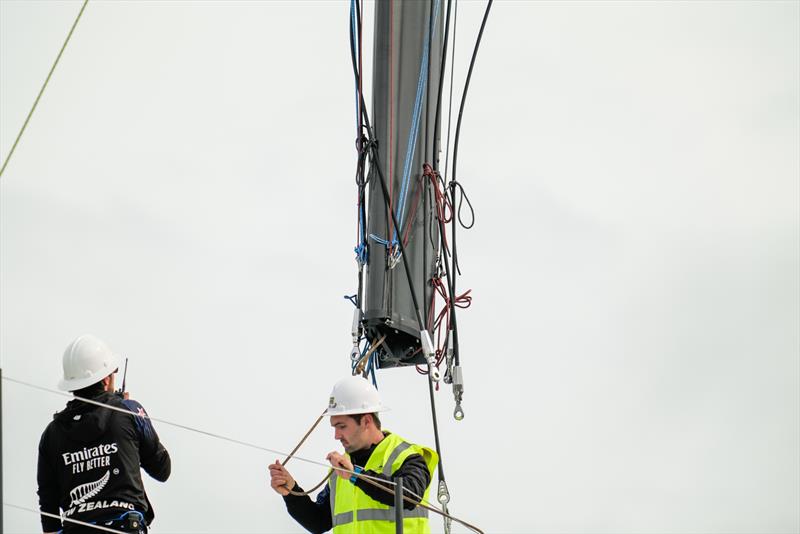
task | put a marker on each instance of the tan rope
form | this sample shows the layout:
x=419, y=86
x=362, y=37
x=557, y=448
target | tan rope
x=41, y=91
x=289, y=457
x=364, y=359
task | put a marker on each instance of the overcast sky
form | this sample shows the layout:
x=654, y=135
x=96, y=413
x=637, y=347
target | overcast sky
x=632, y=355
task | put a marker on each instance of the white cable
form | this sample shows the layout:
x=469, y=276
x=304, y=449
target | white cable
x=204, y=432
x=54, y=516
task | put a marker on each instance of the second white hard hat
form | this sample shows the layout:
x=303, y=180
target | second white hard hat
x=354, y=395
x=87, y=360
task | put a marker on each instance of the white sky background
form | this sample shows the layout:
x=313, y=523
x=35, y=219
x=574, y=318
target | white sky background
x=632, y=356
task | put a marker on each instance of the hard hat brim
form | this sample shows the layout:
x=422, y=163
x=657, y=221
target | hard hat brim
x=80, y=383
x=354, y=411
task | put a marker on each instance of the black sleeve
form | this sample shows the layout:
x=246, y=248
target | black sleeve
x=415, y=479
x=154, y=457
x=314, y=516
x=48, y=489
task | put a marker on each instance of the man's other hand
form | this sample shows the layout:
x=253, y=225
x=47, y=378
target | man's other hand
x=340, y=460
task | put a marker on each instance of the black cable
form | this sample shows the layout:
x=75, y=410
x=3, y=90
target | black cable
x=436, y=141
x=357, y=74
x=425, y=185
x=466, y=86
x=450, y=98
x=454, y=250
x=362, y=154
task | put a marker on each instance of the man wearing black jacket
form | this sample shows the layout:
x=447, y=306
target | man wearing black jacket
x=371, y=453
x=90, y=456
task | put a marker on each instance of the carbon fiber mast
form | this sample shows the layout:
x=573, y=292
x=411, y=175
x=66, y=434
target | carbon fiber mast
x=406, y=78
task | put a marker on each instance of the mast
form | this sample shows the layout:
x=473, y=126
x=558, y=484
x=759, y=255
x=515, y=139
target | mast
x=406, y=77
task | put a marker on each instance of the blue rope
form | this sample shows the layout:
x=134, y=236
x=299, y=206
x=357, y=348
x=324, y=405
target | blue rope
x=362, y=252
x=363, y=352
x=371, y=369
x=392, y=245
x=354, y=34
x=352, y=299
x=413, y=133
x=362, y=256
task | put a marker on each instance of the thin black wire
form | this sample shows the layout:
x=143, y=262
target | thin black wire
x=361, y=180
x=450, y=101
x=424, y=184
x=466, y=86
x=437, y=125
x=453, y=182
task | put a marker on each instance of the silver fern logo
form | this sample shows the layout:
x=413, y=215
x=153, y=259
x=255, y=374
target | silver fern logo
x=81, y=493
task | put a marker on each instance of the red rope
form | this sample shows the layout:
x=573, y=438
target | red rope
x=464, y=300
x=442, y=201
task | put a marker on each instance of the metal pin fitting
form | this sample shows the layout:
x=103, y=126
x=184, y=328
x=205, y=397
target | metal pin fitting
x=355, y=330
x=449, y=344
x=444, y=495
x=458, y=381
x=434, y=373
x=430, y=355
x=448, y=373
x=427, y=345
x=458, y=392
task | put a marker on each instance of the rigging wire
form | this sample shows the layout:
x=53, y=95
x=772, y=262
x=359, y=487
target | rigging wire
x=177, y=425
x=450, y=99
x=41, y=91
x=442, y=69
x=466, y=86
x=67, y=519
x=453, y=182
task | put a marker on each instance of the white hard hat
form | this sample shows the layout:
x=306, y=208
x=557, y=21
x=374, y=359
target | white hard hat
x=354, y=395
x=87, y=360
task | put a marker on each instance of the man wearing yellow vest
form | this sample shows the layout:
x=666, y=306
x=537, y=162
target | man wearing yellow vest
x=349, y=504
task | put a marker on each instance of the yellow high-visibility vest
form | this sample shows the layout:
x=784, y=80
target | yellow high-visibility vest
x=355, y=512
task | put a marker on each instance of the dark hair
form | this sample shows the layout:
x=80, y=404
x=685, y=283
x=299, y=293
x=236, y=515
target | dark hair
x=90, y=392
x=358, y=416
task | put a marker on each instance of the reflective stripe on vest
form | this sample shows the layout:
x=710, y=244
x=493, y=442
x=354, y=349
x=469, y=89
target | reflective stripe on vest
x=387, y=468
x=377, y=514
x=342, y=519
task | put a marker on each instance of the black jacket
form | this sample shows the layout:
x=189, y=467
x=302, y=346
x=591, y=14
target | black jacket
x=315, y=516
x=90, y=458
